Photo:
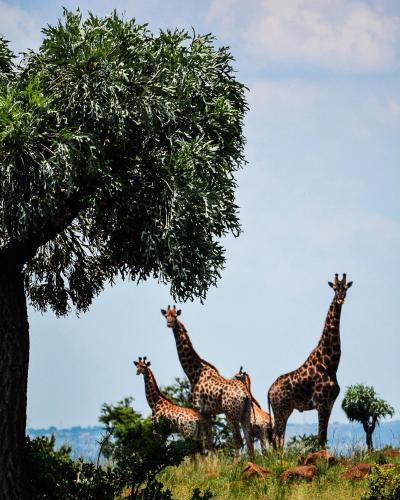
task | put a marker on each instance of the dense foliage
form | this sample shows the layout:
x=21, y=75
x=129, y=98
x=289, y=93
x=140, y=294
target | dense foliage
x=362, y=404
x=118, y=149
x=134, y=453
x=383, y=484
x=304, y=444
x=53, y=474
x=135, y=450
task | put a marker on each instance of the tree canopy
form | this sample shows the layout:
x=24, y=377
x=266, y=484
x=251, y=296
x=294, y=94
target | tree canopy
x=362, y=404
x=118, y=150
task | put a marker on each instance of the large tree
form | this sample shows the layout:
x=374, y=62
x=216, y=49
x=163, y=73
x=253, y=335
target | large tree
x=118, y=150
x=362, y=404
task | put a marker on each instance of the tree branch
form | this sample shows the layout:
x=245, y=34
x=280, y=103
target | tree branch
x=20, y=252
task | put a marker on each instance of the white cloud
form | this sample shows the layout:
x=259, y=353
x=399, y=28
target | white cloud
x=339, y=35
x=289, y=94
x=20, y=28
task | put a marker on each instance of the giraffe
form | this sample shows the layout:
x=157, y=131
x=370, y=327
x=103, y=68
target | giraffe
x=212, y=394
x=313, y=385
x=260, y=420
x=186, y=421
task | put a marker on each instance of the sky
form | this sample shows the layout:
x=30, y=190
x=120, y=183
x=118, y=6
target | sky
x=320, y=195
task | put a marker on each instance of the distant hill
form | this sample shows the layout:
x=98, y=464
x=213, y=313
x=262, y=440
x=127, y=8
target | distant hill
x=84, y=441
x=341, y=437
x=344, y=437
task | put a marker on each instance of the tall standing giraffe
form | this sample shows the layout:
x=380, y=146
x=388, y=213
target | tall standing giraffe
x=186, y=421
x=260, y=420
x=313, y=386
x=212, y=394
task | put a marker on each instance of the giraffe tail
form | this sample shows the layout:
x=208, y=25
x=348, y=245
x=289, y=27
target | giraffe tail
x=270, y=433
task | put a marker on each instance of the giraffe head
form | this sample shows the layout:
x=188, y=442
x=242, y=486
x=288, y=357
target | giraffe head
x=340, y=287
x=141, y=365
x=242, y=376
x=171, y=314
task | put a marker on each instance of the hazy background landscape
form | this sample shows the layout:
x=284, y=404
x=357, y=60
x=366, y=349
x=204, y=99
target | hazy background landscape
x=343, y=438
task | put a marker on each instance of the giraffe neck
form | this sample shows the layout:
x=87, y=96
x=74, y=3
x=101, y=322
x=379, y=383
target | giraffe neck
x=247, y=383
x=188, y=357
x=153, y=393
x=329, y=344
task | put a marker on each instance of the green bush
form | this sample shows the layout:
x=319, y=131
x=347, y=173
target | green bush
x=303, y=445
x=53, y=474
x=383, y=484
x=138, y=451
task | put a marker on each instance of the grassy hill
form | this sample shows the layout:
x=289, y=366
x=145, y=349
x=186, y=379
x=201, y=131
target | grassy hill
x=225, y=480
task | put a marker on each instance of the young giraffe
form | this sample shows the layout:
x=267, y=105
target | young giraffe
x=212, y=394
x=186, y=421
x=314, y=384
x=260, y=420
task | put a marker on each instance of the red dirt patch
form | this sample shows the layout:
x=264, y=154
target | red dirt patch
x=254, y=470
x=391, y=453
x=322, y=455
x=301, y=471
x=358, y=471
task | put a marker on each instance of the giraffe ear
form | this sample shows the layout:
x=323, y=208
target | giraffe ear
x=148, y=363
x=330, y=284
x=163, y=312
x=178, y=312
x=135, y=363
x=349, y=284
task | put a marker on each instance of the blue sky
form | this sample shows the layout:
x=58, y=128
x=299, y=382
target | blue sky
x=320, y=195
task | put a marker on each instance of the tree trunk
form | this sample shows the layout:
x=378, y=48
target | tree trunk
x=14, y=360
x=369, y=440
x=369, y=430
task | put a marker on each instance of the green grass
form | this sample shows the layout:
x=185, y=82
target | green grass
x=224, y=479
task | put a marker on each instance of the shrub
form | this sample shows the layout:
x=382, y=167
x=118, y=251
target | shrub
x=137, y=451
x=383, y=484
x=53, y=474
x=303, y=444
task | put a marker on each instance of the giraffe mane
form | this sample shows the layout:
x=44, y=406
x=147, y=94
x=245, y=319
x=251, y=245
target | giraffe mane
x=210, y=365
x=254, y=400
x=158, y=389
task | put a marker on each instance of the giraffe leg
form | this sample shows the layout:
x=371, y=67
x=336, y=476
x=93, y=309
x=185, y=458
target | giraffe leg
x=324, y=412
x=263, y=441
x=281, y=419
x=236, y=434
x=205, y=433
x=247, y=426
x=248, y=436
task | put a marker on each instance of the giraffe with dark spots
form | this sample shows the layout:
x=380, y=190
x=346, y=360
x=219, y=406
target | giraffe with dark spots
x=313, y=386
x=211, y=394
x=185, y=421
x=261, y=421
